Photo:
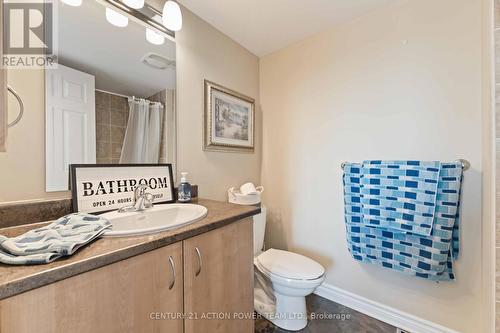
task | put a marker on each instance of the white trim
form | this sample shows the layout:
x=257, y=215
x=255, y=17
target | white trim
x=380, y=311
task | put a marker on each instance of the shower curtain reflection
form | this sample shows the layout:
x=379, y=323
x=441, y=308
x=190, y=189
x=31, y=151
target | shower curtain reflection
x=144, y=131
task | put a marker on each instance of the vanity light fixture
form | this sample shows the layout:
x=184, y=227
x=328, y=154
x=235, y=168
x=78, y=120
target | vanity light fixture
x=136, y=4
x=116, y=18
x=158, y=27
x=152, y=36
x=172, y=16
x=74, y=3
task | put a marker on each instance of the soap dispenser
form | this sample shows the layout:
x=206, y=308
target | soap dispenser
x=184, y=191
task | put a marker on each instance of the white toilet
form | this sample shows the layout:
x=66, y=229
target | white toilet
x=282, y=281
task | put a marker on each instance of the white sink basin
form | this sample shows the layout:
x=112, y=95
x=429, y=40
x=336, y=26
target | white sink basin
x=158, y=218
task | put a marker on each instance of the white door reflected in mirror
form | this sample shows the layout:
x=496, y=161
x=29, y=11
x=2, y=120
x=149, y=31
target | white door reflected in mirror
x=70, y=124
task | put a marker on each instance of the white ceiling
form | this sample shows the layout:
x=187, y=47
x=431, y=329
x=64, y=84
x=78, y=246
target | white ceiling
x=265, y=26
x=87, y=42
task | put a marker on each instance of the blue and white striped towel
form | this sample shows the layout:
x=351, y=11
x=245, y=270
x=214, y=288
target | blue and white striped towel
x=429, y=257
x=58, y=239
x=400, y=195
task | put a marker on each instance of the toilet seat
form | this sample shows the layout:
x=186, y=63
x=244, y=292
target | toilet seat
x=289, y=265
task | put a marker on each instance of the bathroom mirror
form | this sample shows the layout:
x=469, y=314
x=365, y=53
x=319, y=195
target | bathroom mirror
x=111, y=99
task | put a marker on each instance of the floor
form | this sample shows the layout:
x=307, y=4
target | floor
x=345, y=320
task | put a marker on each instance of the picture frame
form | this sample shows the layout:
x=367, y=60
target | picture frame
x=229, y=120
x=100, y=188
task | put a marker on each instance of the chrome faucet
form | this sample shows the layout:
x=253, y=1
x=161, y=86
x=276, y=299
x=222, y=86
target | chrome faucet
x=142, y=200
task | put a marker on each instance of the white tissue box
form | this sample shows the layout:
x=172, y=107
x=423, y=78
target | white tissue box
x=236, y=197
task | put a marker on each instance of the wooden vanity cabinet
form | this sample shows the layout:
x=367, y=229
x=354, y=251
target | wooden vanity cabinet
x=218, y=280
x=121, y=297
x=140, y=294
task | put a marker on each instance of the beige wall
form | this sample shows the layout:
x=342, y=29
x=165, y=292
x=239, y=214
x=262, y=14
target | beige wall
x=404, y=82
x=22, y=167
x=497, y=151
x=3, y=98
x=204, y=53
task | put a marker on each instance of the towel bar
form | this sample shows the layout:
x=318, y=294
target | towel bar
x=21, y=107
x=465, y=164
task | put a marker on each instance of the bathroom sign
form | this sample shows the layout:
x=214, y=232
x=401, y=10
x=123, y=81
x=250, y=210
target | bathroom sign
x=98, y=188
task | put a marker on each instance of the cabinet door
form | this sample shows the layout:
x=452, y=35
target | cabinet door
x=218, y=280
x=132, y=295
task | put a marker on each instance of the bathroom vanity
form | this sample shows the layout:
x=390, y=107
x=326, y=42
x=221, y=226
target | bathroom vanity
x=197, y=278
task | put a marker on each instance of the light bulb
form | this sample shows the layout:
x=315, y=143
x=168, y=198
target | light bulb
x=172, y=16
x=116, y=18
x=136, y=4
x=74, y=3
x=154, y=38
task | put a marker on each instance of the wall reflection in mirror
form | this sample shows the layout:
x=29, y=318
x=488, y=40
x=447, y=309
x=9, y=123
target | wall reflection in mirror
x=112, y=97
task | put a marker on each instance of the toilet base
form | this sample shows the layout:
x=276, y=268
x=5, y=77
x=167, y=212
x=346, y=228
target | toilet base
x=289, y=312
x=282, y=300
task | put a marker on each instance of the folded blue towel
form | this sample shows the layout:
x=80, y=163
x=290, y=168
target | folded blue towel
x=46, y=244
x=400, y=195
x=429, y=257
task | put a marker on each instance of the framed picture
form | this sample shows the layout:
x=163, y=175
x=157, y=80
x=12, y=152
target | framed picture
x=229, y=120
x=99, y=188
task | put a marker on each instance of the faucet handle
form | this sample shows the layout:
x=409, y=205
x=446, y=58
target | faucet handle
x=140, y=191
x=142, y=200
x=148, y=200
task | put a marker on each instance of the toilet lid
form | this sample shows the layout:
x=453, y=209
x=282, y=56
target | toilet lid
x=290, y=265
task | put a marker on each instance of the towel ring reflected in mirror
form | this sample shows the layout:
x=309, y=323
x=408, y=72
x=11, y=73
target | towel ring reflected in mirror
x=21, y=107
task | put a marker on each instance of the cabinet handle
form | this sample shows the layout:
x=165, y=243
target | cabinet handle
x=200, y=262
x=172, y=268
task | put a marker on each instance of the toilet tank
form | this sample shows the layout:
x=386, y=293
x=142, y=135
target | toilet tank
x=259, y=229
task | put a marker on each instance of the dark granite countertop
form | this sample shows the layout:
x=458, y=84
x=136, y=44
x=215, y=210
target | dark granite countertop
x=104, y=251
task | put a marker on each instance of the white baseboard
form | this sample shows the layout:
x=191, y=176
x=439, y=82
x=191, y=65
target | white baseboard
x=380, y=311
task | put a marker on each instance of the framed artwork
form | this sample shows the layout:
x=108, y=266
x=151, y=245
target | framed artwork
x=99, y=188
x=229, y=120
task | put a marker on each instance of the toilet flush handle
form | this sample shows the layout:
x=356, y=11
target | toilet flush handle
x=200, y=262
